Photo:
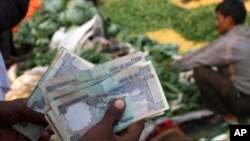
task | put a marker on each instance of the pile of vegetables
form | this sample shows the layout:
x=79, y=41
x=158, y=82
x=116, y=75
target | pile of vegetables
x=94, y=56
x=140, y=16
x=35, y=34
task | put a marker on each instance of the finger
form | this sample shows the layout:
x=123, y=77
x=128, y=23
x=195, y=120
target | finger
x=51, y=132
x=45, y=136
x=134, y=132
x=21, y=137
x=30, y=115
x=9, y=134
x=114, y=113
x=33, y=117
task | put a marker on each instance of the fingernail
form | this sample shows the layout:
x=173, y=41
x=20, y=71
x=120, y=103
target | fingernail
x=119, y=104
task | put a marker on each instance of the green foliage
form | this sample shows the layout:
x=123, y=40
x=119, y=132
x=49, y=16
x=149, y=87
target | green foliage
x=36, y=33
x=140, y=16
x=41, y=59
x=94, y=56
x=197, y=24
x=77, y=12
x=248, y=19
x=222, y=128
x=141, y=42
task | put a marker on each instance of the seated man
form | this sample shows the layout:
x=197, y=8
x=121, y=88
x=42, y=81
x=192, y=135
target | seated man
x=227, y=90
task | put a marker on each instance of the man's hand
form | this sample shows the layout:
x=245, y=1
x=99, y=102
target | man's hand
x=9, y=134
x=103, y=131
x=12, y=112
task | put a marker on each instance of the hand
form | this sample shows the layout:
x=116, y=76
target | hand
x=12, y=112
x=175, y=63
x=10, y=134
x=103, y=131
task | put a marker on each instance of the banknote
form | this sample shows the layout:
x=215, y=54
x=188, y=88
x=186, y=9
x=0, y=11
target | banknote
x=53, y=95
x=51, y=124
x=97, y=72
x=65, y=62
x=73, y=88
x=69, y=90
x=138, y=85
x=55, y=124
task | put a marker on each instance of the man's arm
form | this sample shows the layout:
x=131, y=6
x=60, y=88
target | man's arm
x=216, y=54
x=12, y=12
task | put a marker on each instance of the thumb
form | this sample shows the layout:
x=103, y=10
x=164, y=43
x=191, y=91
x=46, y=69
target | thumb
x=114, y=113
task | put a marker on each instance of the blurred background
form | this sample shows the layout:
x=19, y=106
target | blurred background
x=101, y=30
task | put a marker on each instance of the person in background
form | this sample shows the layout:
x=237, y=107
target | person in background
x=226, y=89
x=11, y=13
x=34, y=5
x=7, y=48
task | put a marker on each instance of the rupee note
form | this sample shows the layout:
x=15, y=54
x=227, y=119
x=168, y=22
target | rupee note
x=65, y=62
x=138, y=85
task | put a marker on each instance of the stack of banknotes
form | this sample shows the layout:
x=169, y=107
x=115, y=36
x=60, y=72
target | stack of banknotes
x=76, y=94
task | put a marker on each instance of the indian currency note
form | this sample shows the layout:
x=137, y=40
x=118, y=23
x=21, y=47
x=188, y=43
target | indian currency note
x=55, y=123
x=65, y=62
x=52, y=126
x=68, y=90
x=81, y=85
x=99, y=71
x=138, y=85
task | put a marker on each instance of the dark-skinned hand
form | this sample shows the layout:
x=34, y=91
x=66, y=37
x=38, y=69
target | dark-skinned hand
x=12, y=112
x=103, y=131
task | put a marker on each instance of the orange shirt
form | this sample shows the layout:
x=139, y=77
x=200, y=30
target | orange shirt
x=34, y=5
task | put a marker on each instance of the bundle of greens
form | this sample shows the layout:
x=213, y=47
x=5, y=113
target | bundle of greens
x=35, y=34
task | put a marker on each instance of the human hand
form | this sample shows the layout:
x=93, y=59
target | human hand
x=103, y=131
x=175, y=63
x=12, y=112
x=10, y=134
